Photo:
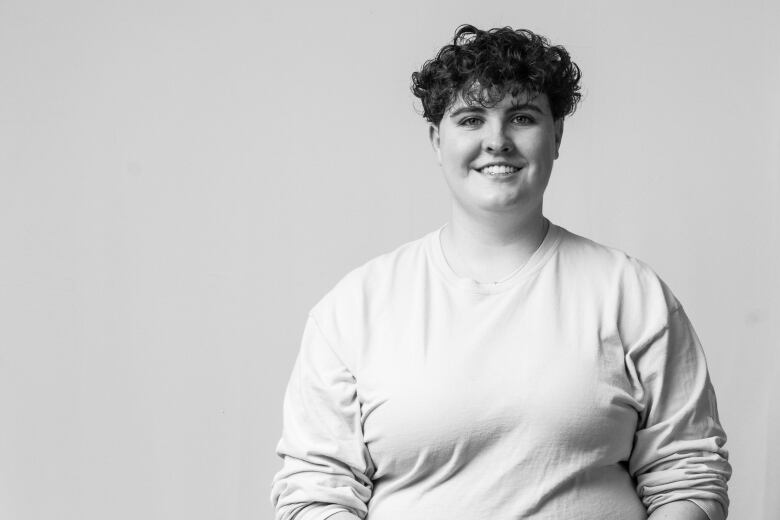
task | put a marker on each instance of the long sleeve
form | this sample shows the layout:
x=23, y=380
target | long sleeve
x=574, y=389
x=678, y=451
x=326, y=466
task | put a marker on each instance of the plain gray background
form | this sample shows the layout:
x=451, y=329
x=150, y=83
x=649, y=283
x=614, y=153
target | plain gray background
x=180, y=181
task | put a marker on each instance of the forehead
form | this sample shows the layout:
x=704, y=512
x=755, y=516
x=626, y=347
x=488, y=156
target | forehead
x=484, y=101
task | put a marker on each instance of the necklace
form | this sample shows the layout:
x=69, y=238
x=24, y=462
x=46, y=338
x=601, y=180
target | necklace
x=510, y=275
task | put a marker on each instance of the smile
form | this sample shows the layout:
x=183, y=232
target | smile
x=498, y=170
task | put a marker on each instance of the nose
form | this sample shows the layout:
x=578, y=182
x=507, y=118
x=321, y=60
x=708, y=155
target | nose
x=496, y=141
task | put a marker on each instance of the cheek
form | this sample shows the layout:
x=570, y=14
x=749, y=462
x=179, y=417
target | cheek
x=459, y=153
x=542, y=149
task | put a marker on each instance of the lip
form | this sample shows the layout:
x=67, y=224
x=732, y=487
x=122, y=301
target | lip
x=499, y=178
x=501, y=163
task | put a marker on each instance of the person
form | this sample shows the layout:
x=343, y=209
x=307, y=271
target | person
x=500, y=366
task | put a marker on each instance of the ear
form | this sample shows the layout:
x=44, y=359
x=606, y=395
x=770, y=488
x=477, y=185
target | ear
x=433, y=136
x=558, y=135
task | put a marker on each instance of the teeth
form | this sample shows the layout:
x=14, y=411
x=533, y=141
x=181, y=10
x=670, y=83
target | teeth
x=499, y=170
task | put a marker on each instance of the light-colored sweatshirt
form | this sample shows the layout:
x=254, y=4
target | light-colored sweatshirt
x=576, y=388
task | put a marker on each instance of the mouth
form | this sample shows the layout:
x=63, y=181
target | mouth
x=498, y=170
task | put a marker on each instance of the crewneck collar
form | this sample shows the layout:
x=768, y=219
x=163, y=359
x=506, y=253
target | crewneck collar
x=539, y=257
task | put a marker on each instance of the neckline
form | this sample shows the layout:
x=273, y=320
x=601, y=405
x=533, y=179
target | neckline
x=538, y=258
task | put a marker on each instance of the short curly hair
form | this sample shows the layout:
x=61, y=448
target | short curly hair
x=483, y=66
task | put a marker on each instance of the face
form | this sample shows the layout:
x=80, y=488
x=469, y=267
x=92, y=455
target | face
x=498, y=158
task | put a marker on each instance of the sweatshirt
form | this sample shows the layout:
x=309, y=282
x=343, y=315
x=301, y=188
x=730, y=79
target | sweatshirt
x=575, y=388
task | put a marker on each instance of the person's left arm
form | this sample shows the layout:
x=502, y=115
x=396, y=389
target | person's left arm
x=678, y=460
x=679, y=510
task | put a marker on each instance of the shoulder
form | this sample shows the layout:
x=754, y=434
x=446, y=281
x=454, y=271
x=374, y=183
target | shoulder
x=363, y=294
x=626, y=283
x=629, y=292
x=588, y=254
x=373, y=276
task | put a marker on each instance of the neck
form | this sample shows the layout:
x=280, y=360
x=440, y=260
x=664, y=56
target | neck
x=488, y=249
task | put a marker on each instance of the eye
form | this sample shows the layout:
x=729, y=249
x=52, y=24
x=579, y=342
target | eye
x=523, y=119
x=470, y=121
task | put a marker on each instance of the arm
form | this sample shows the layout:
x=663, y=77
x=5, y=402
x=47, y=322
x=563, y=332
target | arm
x=326, y=465
x=345, y=516
x=680, y=510
x=678, y=450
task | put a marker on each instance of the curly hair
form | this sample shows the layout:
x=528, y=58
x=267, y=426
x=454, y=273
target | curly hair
x=483, y=66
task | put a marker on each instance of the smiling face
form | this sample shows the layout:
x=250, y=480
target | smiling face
x=498, y=158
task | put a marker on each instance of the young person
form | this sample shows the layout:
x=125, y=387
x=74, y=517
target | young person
x=500, y=366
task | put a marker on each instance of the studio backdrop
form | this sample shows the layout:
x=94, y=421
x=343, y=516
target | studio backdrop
x=180, y=181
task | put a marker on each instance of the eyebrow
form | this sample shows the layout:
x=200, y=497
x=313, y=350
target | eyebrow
x=479, y=109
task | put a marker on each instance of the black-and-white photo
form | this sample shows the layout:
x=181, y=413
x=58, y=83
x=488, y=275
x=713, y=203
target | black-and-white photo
x=380, y=261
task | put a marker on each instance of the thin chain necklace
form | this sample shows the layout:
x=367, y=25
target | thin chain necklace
x=515, y=271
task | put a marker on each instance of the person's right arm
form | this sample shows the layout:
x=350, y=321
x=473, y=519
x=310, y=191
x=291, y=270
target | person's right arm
x=327, y=467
